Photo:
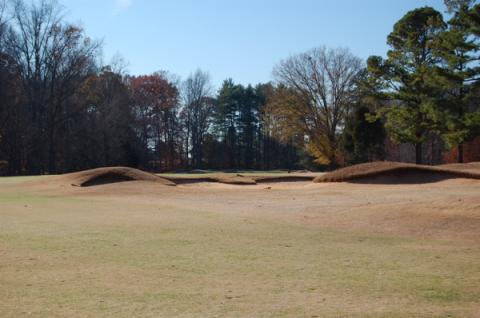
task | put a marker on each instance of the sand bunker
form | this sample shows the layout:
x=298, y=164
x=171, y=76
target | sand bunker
x=374, y=172
x=217, y=178
x=121, y=174
x=291, y=178
x=399, y=173
x=108, y=175
x=239, y=179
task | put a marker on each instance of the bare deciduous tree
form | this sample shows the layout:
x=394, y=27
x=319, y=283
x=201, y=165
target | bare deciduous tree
x=54, y=58
x=196, y=112
x=156, y=101
x=322, y=81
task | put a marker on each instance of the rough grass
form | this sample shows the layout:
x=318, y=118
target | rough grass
x=396, y=172
x=63, y=256
x=110, y=175
x=472, y=166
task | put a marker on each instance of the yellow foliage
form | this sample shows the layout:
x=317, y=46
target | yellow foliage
x=321, y=149
x=291, y=114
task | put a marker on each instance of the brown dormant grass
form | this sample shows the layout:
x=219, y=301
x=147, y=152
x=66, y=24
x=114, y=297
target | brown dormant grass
x=111, y=175
x=299, y=249
x=396, y=172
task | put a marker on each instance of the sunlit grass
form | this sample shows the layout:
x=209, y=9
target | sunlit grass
x=91, y=256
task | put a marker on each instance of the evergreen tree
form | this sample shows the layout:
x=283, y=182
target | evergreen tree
x=226, y=121
x=407, y=74
x=363, y=140
x=248, y=124
x=457, y=47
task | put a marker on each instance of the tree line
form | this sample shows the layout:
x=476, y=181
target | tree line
x=427, y=87
x=62, y=109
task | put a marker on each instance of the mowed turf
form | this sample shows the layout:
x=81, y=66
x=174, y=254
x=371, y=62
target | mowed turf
x=115, y=255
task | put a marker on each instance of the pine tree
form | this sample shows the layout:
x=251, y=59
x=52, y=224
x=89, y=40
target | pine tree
x=457, y=47
x=363, y=140
x=406, y=74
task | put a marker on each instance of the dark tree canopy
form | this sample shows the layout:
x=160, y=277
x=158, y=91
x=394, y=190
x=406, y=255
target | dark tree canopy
x=63, y=109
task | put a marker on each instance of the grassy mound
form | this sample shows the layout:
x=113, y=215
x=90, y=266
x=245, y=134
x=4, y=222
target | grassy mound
x=472, y=166
x=398, y=173
x=108, y=175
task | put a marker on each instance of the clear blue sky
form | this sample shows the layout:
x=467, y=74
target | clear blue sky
x=240, y=39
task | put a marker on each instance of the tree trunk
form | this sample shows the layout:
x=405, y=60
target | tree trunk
x=51, y=152
x=460, y=153
x=418, y=153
